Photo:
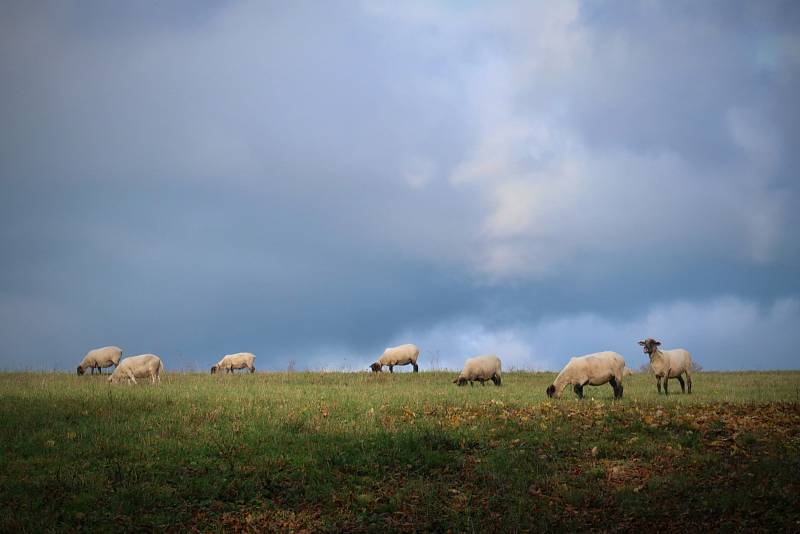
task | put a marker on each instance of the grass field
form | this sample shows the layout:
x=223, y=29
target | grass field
x=402, y=452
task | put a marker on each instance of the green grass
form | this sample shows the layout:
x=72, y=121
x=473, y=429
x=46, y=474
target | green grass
x=363, y=452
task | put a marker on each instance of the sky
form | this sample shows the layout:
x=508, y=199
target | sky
x=316, y=181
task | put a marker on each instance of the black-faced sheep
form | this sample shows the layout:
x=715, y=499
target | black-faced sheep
x=402, y=355
x=133, y=367
x=668, y=364
x=593, y=369
x=480, y=369
x=240, y=360
x=100, y=359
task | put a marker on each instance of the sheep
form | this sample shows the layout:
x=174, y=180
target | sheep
x=142, y=366
x=99, y=359
x=480, y=368
x=627, y=372
x=240, y=360
x=668, y=364
x=402, y=355
x=593, y=369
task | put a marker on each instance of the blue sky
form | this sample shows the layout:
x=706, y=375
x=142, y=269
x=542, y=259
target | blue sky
x=316, y=181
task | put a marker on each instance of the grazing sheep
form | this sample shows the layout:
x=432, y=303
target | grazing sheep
x=133, y=367
x=402, y=355
x=481, y=369
x=99, y=359
x=593, y=369
x=668, y=364
x=240, y=360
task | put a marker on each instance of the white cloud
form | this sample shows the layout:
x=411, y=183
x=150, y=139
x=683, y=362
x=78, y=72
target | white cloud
x=724, y=333
x=435, y=151
x=552, y=197
x=421, y=171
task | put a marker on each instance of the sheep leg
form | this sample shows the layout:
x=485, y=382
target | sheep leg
x=666, y=381
x=416, y=367
x=614, y=386
x=391, y=368
x=681, y=382
x=658, y=384
x=689, y=381
x=252, y=370
x=578, y=390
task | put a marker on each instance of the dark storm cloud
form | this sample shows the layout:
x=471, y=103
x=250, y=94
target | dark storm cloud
x=316, y=182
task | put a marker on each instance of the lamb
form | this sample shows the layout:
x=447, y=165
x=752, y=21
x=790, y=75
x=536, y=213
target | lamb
x=133, y=367
x=240, y=360
x=99, y=359
x=668, y=364
x=402, y=355
x=593, y=369
x=481, y=369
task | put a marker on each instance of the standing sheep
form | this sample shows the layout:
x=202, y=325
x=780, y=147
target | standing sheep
x=240, y=360
x=100, y=359
x=593, y=369
x=668, y=364
x=402, y=355
x=133, y=367
x=481, y=369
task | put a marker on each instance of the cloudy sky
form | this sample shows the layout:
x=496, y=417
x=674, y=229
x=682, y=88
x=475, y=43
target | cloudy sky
x=316, y=181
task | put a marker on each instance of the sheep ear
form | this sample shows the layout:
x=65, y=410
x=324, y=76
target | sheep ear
x=642, y=343
x=658, y=343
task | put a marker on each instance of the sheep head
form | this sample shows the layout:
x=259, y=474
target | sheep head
x=213, y=369
x=551, y=390
x=461, y=381
x=376, y=367
x=80, y=370
x=650, y=345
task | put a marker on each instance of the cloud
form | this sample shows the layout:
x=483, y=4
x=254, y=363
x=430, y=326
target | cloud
x=310, y=180
x=723, y=333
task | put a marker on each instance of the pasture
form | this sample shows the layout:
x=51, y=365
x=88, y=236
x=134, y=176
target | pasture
x=402, y=452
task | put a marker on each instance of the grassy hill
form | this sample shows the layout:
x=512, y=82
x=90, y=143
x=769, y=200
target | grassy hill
x=363, y=452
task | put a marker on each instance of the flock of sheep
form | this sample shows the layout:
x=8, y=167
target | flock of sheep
x=593, y=369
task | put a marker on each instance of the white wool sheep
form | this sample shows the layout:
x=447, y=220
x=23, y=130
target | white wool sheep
x=100, y=359
x=401, y=355
x=593, y=369
x=481, y=369
x=668, y=364
x=142, y=366
x=240, y=360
